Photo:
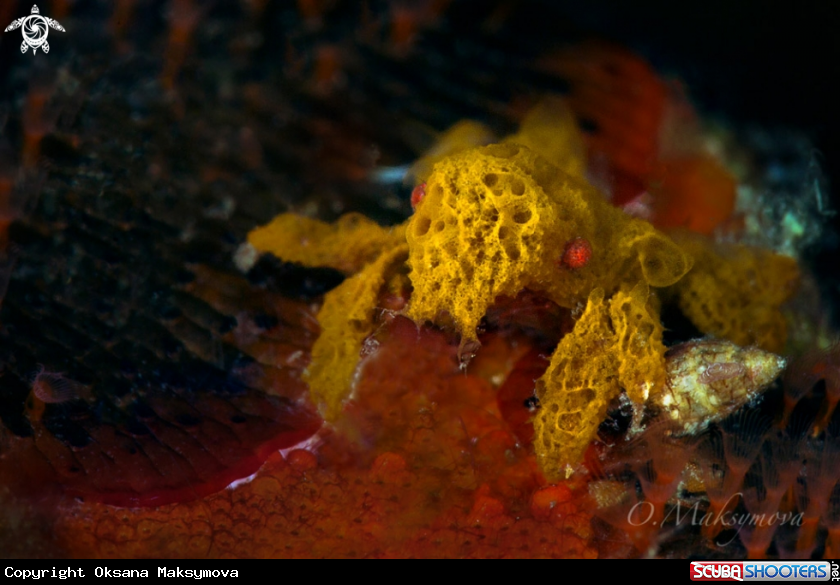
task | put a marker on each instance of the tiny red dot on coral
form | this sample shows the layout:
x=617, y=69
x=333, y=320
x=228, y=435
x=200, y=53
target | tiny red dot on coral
x=418, y=194
x=545, y=500
x=577, y=254
x=302, y=460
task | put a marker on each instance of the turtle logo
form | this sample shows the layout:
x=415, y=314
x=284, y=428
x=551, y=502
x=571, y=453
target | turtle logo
x=35, y=30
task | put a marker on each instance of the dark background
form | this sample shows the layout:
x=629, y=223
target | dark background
x=768, y=64
x=772, y=63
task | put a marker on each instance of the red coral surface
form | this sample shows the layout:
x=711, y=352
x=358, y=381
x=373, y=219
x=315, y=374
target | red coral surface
x=424, y=464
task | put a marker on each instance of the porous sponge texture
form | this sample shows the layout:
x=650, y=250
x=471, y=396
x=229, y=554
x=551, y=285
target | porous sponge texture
x=550, y=130
x=616, y=343
x=346, y=318
x=736, y=292
x=346, y=245
x=495, y=220
x=638, y=342
x=576, y=390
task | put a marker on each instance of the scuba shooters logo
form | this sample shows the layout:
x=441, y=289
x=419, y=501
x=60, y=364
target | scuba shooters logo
x=764, y=571
x=35, y=30
x=717, y=571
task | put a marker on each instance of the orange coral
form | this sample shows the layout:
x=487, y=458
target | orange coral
x=632, y=120
x=696, y=193
x=436, y=473
x=621, y=96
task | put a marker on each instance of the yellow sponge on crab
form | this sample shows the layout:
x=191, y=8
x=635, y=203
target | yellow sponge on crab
x=736, y=292
x=615, y=344
x=346, y=319
x=576, y=390
x=497, y=220
x=551, y=130
x=346, y=245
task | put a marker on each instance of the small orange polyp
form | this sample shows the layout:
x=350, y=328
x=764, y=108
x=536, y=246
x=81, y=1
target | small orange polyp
x=417, y=195
x=577, y=254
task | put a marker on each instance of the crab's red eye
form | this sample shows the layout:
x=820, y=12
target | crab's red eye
x=418, y=194
x=576, y=254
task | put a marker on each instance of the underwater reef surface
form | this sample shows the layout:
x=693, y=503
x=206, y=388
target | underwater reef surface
x=149, y=359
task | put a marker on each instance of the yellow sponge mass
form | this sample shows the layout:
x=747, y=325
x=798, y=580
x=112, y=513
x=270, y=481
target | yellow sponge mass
x=496, y=220
x=576, y=390
x=502, y=219
x=346, y=319
x=550, y=130
x=346, y=245
x=736, y=292
x=615, y=344
x=638, y=342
